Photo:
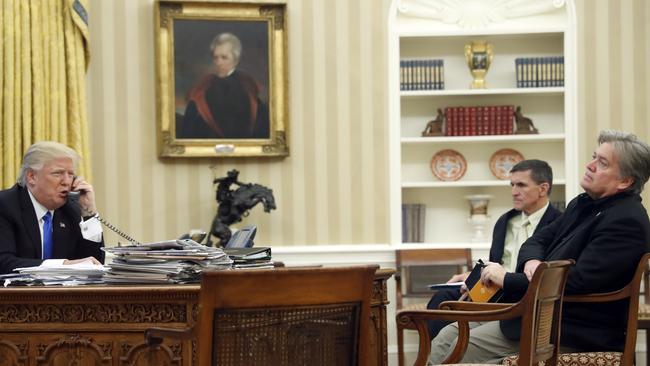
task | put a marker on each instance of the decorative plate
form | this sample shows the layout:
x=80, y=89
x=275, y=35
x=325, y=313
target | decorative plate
x=448, y=165
x=503, y=160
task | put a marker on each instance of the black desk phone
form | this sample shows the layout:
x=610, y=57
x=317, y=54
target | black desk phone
x=242, y=238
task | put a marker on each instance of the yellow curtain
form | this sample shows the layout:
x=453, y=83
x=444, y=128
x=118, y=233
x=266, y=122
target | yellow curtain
x=44, y=55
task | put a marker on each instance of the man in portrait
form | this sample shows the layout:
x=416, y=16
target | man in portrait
x=225, y=104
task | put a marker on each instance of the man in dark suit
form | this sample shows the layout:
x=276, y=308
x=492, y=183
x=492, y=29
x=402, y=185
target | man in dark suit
x=38, y=222
x=605, y=230
x=531, y=182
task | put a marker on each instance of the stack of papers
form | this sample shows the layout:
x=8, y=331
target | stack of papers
x=259, y=257
x=175, y=261
x=49, y=274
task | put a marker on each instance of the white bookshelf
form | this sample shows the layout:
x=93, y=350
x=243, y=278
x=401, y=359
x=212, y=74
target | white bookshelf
x=439, y=29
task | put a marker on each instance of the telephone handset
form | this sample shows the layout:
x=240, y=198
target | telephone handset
x=73, y=197
x=242, y=238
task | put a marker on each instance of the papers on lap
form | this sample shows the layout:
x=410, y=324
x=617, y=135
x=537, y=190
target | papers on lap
x=452, y=285
x=478, y=292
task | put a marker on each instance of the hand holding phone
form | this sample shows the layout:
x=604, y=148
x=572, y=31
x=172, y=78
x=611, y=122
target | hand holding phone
x=82, y=192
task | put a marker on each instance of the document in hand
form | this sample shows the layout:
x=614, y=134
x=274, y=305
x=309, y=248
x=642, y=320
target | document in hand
x=478, y=292
x=450, y=285
x=248, y=254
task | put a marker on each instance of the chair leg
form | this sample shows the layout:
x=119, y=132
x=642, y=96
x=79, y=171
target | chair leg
x=400, y=346
x=647, y=347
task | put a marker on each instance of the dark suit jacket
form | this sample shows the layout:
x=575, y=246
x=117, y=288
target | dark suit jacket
x=496, y=255
x=20, y=237
x=606, y=238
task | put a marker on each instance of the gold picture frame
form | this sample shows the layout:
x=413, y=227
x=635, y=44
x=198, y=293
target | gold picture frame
x=221, y=79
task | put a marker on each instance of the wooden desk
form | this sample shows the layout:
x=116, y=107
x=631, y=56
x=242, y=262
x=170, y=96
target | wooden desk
x=104, y=325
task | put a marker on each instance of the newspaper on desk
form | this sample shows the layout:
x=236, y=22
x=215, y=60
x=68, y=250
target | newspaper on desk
x=175, y=261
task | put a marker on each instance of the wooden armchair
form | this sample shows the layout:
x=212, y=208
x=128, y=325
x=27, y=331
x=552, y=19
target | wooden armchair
x=415, y=269
x=644, y=312
x=281, y=316
x=625, y=358
x=540, y=310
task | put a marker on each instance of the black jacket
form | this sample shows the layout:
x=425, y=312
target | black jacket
x=20, y=237
x=606, y=238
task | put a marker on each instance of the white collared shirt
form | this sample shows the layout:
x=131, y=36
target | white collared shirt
x=510, y=245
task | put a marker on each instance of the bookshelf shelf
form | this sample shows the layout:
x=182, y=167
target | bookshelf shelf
x=467, y=183
x=418, y=28
x=446, y=245
x=540, y=138
x=470, y=92
x=417, y=32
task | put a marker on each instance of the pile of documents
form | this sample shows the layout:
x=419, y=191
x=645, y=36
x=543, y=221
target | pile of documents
x=56, y=274
x=175, y=261
x=259, y=257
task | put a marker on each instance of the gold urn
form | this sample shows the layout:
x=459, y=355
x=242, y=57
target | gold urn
x=479, y=57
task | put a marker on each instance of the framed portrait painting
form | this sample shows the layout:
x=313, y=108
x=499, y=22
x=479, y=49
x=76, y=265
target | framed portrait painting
x=221, y=87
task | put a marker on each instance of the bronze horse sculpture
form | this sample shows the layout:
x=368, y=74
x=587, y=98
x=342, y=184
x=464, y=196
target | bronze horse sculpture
x=235, y=204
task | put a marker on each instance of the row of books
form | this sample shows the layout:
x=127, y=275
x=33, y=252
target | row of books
x=413, y=218
x=422, y=74
x=537, y=72
x=479, y=120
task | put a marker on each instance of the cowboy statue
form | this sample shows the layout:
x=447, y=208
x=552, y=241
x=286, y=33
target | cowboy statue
x=235, y=203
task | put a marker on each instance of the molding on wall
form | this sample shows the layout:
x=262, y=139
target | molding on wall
x=343, y=254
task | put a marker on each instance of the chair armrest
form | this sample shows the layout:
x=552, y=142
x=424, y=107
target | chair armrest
x=472, y=306
x=493, y=312
x=600, y=297
x=154, y=336
x=417, y=319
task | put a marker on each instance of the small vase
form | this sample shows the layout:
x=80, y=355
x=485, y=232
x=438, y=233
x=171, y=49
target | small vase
x=478, y=216
x=478, y=55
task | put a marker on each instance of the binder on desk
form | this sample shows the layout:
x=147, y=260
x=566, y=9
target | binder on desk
x=248, y=254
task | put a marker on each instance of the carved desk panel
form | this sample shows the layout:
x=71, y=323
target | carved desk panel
x=104, y=325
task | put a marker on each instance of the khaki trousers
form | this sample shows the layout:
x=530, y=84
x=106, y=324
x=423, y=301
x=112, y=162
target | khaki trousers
x=487, y=344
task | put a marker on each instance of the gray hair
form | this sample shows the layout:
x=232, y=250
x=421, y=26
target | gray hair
x=42, y=153
x=633, y=157
x=230, y=38
x=540, y=171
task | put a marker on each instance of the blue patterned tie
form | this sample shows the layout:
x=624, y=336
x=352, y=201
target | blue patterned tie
x=47, y=236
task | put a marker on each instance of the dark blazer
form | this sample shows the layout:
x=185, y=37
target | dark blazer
x=606, y=238
x=496, y=255
x=20, y=237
